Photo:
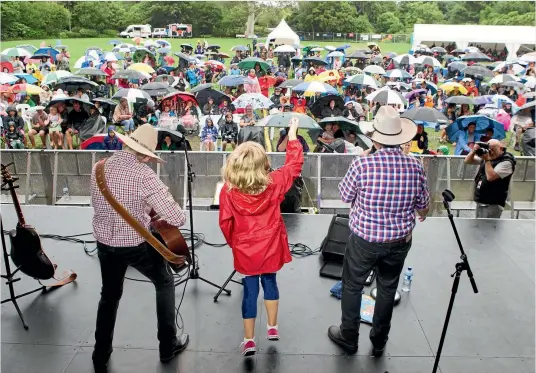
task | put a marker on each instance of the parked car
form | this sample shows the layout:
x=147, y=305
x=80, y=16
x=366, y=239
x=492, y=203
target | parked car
x=133, y=31
x=159, y=33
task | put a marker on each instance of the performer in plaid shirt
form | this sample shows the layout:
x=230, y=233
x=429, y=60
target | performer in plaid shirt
x=386, y=189
x=135, y=186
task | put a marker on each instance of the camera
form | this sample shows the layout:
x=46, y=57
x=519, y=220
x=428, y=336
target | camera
x=483, y=148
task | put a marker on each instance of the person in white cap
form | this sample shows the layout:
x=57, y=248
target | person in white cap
x=135, y=186
x=386, y=190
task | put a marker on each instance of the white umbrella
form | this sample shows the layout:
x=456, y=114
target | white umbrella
x=387, y=96
x=110, y=57
x=81, y=60
x=6, y=78
x=256, y=100
x=427, y=60
x=336, y=54
x=503, y=78
x=405, y=59
x=398, y=74
x=529, y=57
x=317, y=49
x=285, y=49
x=374, y=69
x=362, y=79
x=530, y=81
x=131, y=94
x=17, y=52
x=329, y=48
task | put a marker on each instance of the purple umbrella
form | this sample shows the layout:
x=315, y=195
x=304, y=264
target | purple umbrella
x=482, y=100
x=411, y=95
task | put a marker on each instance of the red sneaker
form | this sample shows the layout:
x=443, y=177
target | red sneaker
x=248, y=348
x=273, y=334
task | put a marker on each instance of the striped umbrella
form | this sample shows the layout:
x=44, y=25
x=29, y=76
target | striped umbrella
x=54, y=76
x=16, y=52
x=28, y=89
x=503, y=78
x=311, y=88
x=398, y=73
x=131, y=94
x=405, y=59
x=363, y=79
x=387, y=96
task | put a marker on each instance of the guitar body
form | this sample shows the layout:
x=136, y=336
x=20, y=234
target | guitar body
x=26, y=253
x=170, y=236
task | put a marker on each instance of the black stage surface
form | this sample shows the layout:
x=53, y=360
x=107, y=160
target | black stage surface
x=492, y=331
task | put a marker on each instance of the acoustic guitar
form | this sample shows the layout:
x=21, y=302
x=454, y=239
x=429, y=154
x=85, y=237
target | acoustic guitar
x=164, y=238
x=26, y=251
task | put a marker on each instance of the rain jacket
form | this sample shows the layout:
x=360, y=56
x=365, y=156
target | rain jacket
x=19, y=122
x=252, y=224
x=112, y=143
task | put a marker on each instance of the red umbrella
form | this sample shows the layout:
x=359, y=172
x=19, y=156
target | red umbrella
x=183, y=96
x=216, y=64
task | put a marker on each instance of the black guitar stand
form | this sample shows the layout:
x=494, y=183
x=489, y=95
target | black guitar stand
x=229, y=279
x=10, y=277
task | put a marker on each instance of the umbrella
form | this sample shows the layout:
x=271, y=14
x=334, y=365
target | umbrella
x=131, y=94
x=96, y=142
x=163, y=50
x=447, y=87
x=387, y=96
x=163, y=43
x=241, y=48
x=29, y=47
x=30, y=79
x=256, y=100
x=457, y=66
x=335, y=54
x=374, y=69
x=329, y=48
x=68, y=101
x=213, y=47
x=357, y=54
x=201, y=87
x=141, y=67
x=425, y=114
x=234, y=80
x=439, y=50
x=218, y=96
x=282, y=120
x=16, y=52
x=291, y=83
x=84, y=60
x=73, y=82
x=477, y=70
x=315, y=61
x=250, y=62
x=411, y=95
x=528, y=105
x=352, y=70
x=90, y=71
x=216, y=64
x=512, y=84
x=28, y=89
x=363, y=79
x=176, y=136
x=323, y=102
x=6, y=78
x=482, y=124
x=46, y=52
x=222, y=55
x=405, y=59
x=54, y=76
x=427, y=60
x=112, y=57
x=317, y=49
x=529, y=57
x=183, y=96
x=530, y=95
x=398, y=73
x=459, y=100
x=114, y=42
x=475, y=56
x=310, y=88
x=529, y=81
x=503, y=78
x=155, y=89
x=129, y=75
x=285, y=49
x=344, y=124
x=186, y=46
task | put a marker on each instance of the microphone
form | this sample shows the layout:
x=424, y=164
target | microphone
x=448, y=197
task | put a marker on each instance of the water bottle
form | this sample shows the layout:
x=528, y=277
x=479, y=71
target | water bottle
x=66, y=195
x=408, y=277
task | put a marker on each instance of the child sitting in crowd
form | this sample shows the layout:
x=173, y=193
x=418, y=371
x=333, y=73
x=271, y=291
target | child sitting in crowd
x=209, y=135
x=111, y=141
x=14, y=137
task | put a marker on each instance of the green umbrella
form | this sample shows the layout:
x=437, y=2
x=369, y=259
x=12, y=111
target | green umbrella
x=282, y=120
x=344, y=124
x=54, y=76
x=16, y=52
x=250, y=62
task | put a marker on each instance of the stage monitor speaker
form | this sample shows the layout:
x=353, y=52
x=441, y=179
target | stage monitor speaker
x=334, y=245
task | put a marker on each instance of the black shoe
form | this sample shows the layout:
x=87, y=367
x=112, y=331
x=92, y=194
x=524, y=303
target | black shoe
x=180, y=345
x=377, y=352
x=335, y=334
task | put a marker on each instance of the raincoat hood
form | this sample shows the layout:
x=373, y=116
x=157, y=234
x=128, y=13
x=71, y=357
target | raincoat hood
x=111, y=128
x=251, y=204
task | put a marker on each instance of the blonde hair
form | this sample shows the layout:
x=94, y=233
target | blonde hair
x=247, y=168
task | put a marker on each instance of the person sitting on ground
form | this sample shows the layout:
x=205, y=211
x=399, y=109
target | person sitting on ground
x=40, y=124
x=229, y=132
x=13, y=137
x=168, y=144
x=111, y=141
x=419, y=144
x=209, y=135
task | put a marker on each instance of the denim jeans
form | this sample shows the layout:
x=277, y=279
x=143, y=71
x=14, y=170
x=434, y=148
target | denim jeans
x=360, y=257
x=128, y=125
x=251, y=293
x=114, y=263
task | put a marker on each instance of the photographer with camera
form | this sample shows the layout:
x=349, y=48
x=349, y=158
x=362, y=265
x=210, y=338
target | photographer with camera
x=493, y=179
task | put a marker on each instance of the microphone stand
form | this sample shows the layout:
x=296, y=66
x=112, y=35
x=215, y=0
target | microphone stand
x=193, y=273
x=448, y=197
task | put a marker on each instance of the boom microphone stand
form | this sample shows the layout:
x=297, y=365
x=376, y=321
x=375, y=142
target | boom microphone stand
x=193, y=273
x=448, y=197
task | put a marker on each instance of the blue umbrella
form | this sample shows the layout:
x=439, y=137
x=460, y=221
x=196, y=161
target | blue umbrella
x=431, y=87
x=163, y=50
x=482, y=124
x=114, y=42
x=233, y=80
x=30, y=79
x=49, y=52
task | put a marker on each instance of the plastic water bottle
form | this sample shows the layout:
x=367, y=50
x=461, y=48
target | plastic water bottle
x=408, y=277
x=66, y=195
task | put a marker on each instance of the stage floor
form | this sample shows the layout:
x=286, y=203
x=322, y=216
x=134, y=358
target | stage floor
x=493, y=331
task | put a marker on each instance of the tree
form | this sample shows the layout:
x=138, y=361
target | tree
x=388, y=23
x=412, y=13
x=327, y=16
x=363, y=25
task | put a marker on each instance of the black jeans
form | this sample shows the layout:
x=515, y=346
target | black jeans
x=114, y=263
x=360, y=257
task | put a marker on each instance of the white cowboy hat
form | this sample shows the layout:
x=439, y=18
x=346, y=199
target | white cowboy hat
x=143, y=140
x=389, y=129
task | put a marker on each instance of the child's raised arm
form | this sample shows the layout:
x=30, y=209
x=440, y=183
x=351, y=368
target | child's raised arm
x=284, y=177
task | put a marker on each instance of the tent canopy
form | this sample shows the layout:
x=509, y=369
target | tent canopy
x=512, y=37
x=283, y=34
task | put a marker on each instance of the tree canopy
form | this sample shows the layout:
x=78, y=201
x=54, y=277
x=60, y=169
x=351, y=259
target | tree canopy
x=26, y=20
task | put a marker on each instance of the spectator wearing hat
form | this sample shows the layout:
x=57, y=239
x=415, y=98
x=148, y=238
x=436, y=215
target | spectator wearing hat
x=380, y=237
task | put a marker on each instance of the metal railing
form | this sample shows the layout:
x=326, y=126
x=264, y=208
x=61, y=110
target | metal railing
x=43, y=176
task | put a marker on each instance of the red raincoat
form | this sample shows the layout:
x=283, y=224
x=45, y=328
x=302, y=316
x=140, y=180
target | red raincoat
x=252, y=224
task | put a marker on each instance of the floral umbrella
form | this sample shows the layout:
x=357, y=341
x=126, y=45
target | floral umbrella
x=256, y=100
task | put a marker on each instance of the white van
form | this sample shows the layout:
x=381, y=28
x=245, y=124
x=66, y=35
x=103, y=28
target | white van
x=132, y=31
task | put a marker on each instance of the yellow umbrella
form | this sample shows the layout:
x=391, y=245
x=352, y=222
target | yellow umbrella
x=447, y=87
x=28, y=89
x=329, y=75
x=141, y=67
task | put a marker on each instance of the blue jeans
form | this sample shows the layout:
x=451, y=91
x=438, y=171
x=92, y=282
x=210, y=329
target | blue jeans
x=251, y=293
x=128, y=125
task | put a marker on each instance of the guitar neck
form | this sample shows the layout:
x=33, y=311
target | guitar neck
x=16, y=203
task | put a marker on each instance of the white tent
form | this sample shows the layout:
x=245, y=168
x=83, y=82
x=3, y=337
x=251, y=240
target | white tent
x=511, y=37
x=283, y=34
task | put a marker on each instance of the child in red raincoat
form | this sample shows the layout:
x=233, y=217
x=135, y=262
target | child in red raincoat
x=251, y=221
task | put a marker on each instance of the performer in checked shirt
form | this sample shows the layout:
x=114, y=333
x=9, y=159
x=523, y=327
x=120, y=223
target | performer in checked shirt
x=387, y=189
x=137, y=187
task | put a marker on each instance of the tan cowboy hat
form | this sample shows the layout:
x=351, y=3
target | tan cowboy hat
x=389, y=129
x=143, y=140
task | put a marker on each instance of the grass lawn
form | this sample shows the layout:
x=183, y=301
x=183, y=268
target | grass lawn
x=77, y=47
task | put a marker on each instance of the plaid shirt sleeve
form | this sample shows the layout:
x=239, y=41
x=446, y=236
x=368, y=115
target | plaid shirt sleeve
x=161, y=201
x=348, y=185
x=423, y=197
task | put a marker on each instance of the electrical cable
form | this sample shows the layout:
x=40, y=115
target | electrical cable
x=300, y=250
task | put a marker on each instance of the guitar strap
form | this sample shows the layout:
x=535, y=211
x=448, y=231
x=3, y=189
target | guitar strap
x=130, y=220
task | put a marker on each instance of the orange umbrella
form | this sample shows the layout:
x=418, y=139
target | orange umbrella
x=29, y=89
